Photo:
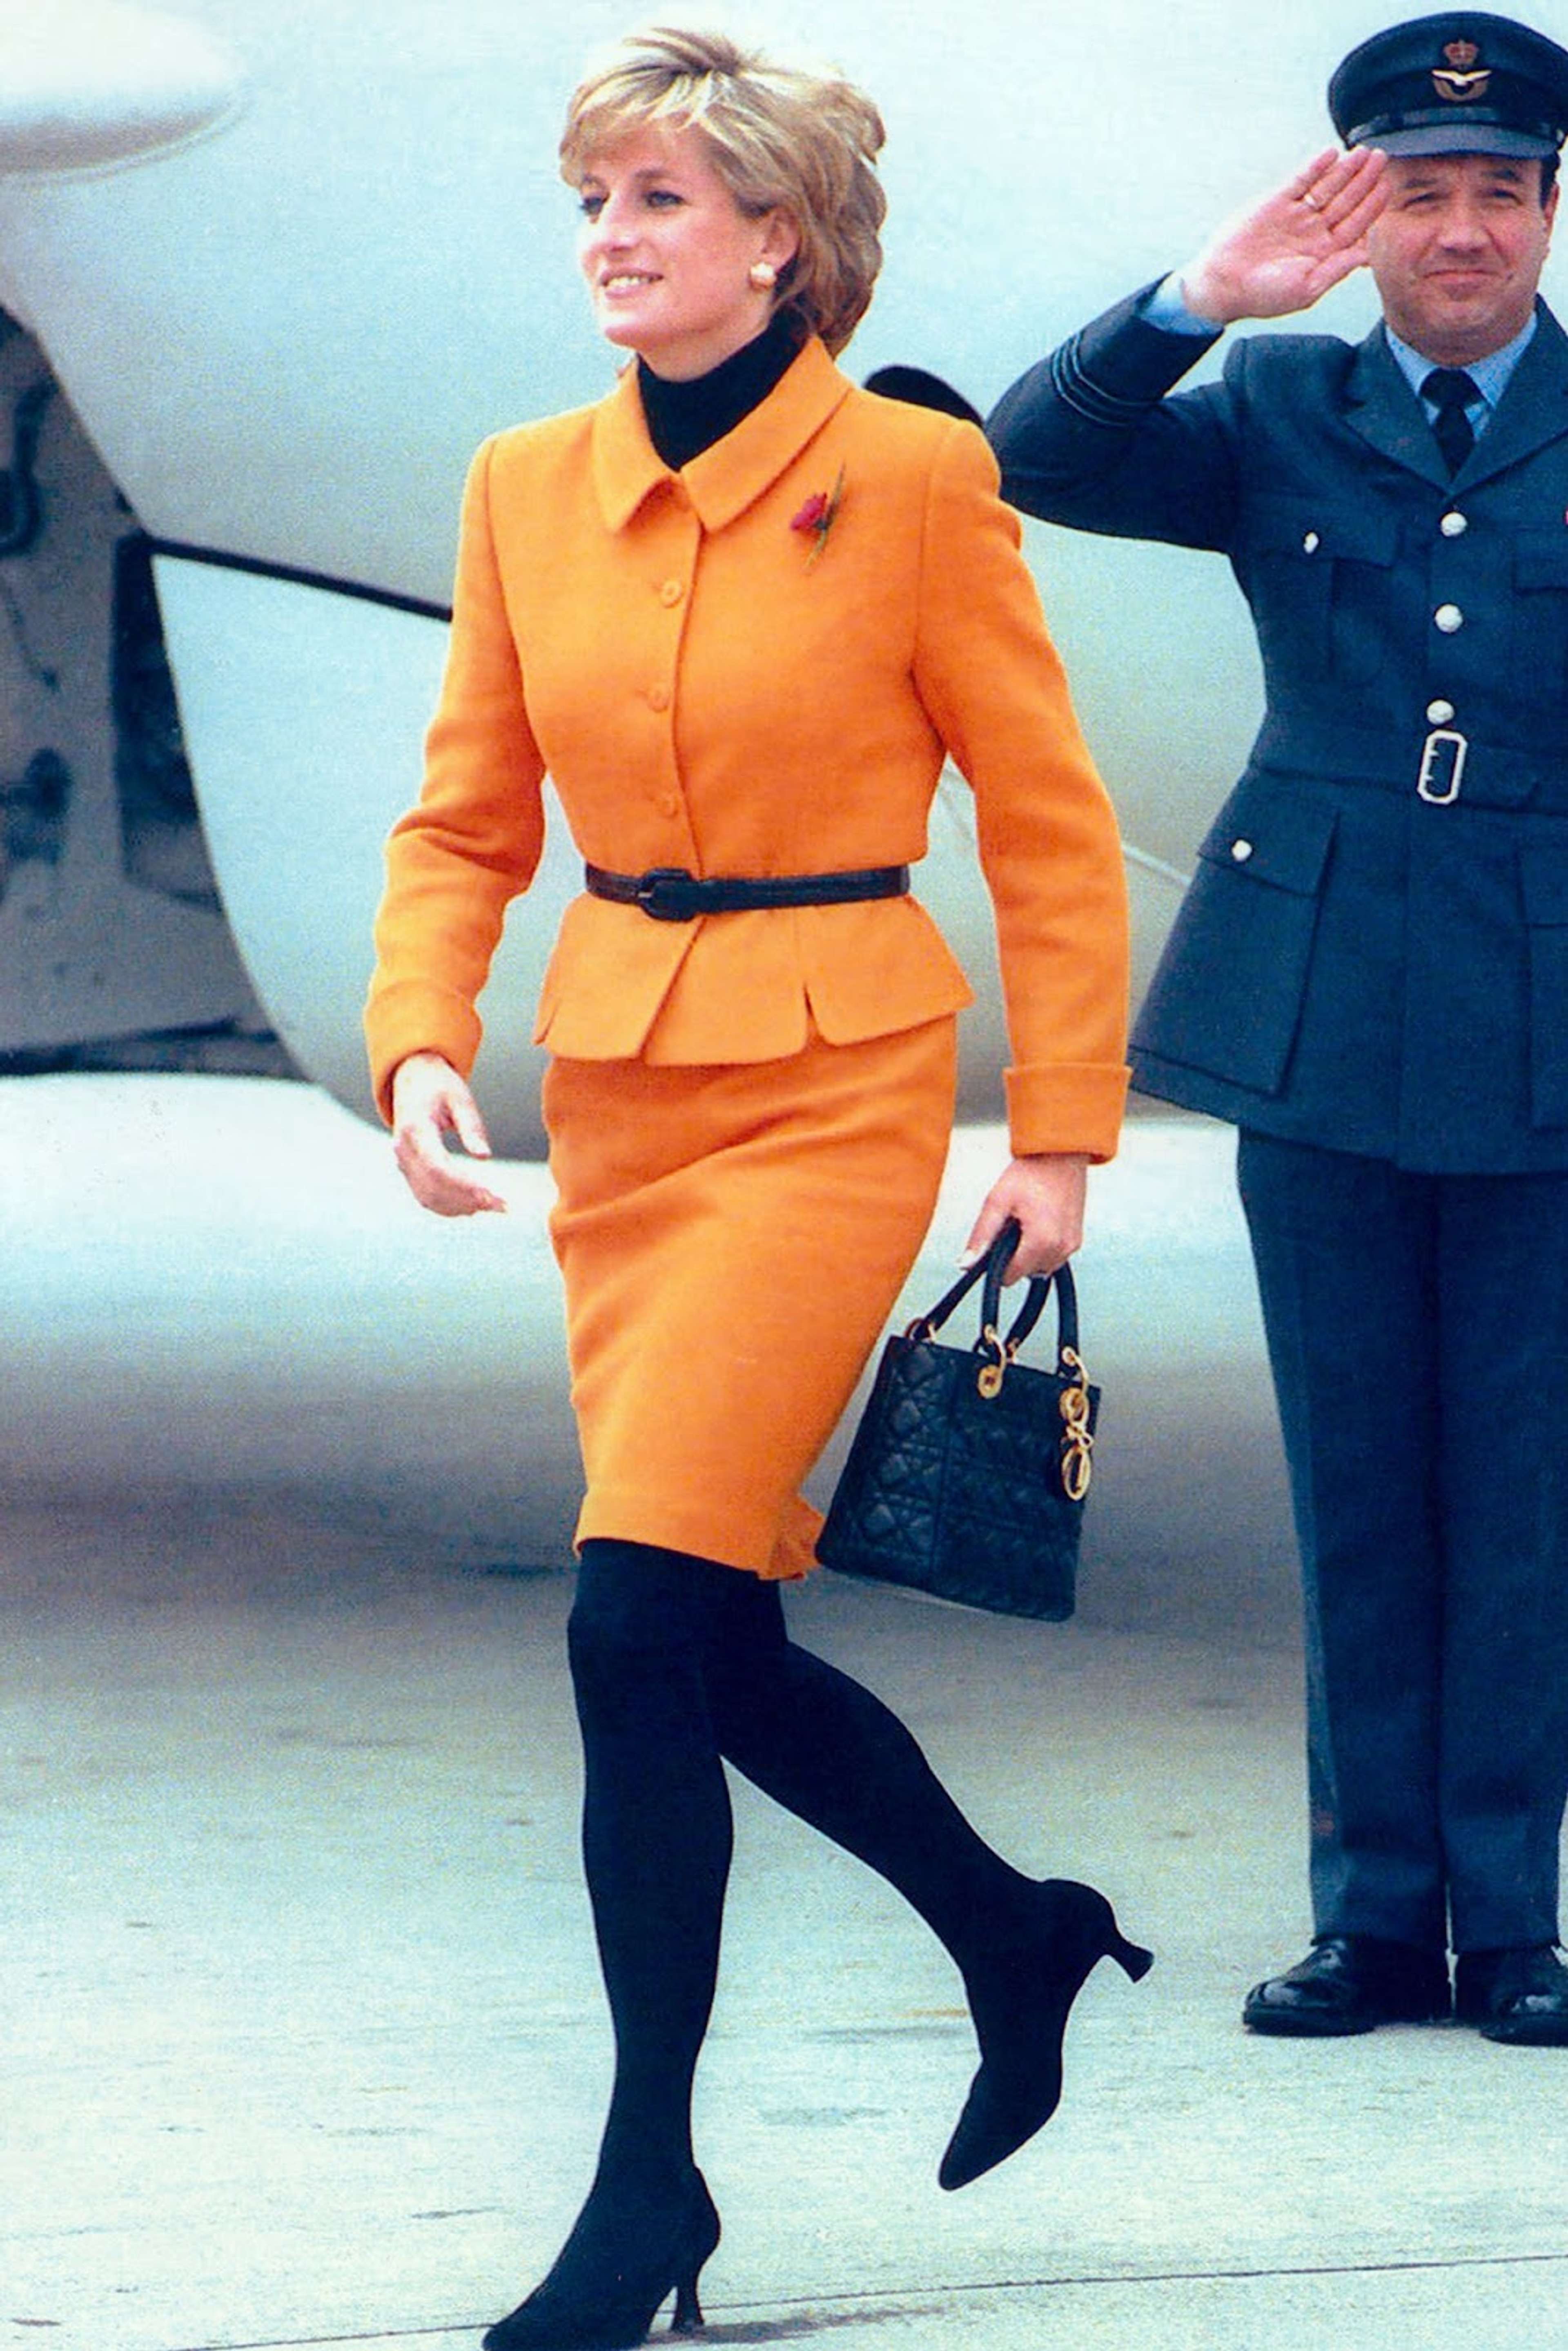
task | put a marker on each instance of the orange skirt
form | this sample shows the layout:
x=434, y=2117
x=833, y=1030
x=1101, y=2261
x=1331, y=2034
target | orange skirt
x=733, y=1239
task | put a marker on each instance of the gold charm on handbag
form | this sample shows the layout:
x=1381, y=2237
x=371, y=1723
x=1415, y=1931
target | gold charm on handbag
x=990, y=1377
x=1077, y=1435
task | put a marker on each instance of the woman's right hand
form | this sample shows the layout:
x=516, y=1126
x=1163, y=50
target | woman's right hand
x=431, y=1104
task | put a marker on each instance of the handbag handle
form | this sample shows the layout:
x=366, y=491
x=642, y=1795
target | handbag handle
x=997, y=1352
x=990, y=1269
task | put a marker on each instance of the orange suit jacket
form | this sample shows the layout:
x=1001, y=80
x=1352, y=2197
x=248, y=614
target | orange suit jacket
x=710, y=686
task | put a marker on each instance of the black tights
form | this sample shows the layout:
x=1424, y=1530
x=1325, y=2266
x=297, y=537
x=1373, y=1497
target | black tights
x=679, y=1665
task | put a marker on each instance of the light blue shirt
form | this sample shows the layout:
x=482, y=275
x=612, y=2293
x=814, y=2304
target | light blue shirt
x=1166, y=307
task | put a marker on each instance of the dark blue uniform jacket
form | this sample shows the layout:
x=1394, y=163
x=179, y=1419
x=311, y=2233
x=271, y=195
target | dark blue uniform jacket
x=1365, y=960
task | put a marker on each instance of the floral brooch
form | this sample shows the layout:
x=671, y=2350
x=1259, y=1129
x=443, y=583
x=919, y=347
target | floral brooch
x=818, y=514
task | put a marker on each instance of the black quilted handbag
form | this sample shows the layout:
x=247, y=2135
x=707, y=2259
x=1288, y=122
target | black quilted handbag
x=968, y=1471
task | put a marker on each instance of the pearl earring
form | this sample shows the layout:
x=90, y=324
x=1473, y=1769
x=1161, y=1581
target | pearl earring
x=762, y=276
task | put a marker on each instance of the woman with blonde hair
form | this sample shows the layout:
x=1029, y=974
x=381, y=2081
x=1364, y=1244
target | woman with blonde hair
x=739, y=610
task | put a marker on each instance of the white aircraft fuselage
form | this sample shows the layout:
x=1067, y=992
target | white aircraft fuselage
x=291, y=262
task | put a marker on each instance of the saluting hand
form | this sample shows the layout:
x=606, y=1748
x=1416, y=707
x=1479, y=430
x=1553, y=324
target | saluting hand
x=1046, y=1194
x=1290, y=250
x=431, y=1103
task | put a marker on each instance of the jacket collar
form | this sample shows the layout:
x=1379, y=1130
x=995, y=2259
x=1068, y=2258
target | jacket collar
x=1387, y=413
x=728, y=477
x=1533, y=410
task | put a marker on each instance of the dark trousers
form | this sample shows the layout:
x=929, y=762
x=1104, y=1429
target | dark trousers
x=1417, y=1330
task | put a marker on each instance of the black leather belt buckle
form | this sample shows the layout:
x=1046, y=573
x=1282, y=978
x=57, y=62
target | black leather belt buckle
x=668, y=894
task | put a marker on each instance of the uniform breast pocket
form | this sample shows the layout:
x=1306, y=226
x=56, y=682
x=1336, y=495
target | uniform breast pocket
x=1318, y=580
x=1543, y=876
x=1227, y=998
x=1541, y=616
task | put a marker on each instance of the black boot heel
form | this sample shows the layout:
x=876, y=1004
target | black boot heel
x=688, y=2317
x=1130, y=1958
x=1020, y=1997
x=604, y=2296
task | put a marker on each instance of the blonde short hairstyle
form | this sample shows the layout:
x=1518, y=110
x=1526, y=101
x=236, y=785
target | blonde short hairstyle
x=782, y=138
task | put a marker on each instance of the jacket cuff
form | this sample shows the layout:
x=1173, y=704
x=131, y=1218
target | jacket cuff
x=413, y=1018
x=1066, y=1106
x=1123, y=362
x=1166, y=308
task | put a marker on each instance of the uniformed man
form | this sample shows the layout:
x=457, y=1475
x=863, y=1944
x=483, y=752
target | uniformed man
x=1369, y=974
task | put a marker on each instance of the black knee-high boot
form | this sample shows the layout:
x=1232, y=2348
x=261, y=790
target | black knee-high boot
x=656, y=1846
x=829, y=1751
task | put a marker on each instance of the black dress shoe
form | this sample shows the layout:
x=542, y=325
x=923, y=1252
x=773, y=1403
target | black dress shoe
x=1351, y=1983
x=1520, y=1996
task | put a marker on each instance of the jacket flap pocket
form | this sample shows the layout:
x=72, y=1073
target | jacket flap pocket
x=1284, y=843
x=1318, y=530
x=1541, y=559
x=1543, y=879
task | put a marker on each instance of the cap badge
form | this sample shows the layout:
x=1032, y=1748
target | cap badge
x=1459, y=82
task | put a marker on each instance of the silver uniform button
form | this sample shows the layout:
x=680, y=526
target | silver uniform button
x=1241, y=850
x=1439, y=714
x=1311, y=544
x=1448, y=618
x=1454, y=525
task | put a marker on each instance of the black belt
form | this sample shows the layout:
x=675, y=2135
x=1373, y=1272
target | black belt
x=668, y=894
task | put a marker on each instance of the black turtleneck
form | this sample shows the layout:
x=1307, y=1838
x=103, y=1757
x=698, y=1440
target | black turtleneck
x=685, y=419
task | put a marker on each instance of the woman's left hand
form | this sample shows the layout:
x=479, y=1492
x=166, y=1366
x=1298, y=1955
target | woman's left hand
x=1045, y=1196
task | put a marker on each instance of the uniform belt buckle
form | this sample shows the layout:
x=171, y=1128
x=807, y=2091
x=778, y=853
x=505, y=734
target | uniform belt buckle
x=1443, y=758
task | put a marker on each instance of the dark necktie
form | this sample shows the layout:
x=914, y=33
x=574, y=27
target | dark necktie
x=1453, y=391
